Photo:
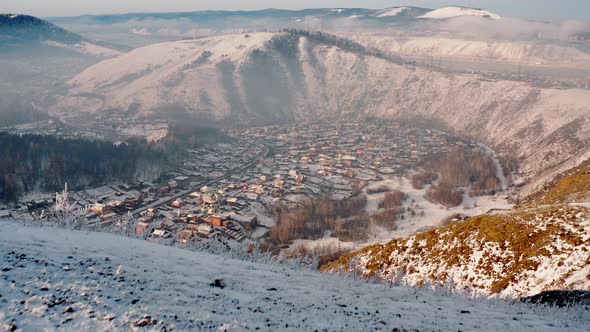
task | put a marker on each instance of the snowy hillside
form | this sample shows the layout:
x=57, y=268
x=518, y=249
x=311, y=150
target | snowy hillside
x=455, y=11
x=69, y=280
x=518, y=254
x=30, y=28
x=395, y=11
x=399, y=12
x=480, y=50
x=24, y=31
x=86, y=48
x=266, y=78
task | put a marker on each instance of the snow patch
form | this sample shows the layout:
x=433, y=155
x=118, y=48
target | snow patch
x=141, y=32
x=455, y=11
x=392, y=12
x=85, y=48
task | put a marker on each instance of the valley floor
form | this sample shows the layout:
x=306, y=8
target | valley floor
x=56, y=279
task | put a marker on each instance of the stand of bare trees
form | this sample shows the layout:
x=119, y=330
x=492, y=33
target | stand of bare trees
x=445, y=194
x=392, y=209
x=346, y=219
x=378, y=190
x=421, y=179
x=458, y=169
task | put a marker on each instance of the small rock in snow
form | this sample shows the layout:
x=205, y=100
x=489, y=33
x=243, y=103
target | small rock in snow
x=219, y=283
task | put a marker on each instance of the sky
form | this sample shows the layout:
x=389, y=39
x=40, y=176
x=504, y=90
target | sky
x=536, y=9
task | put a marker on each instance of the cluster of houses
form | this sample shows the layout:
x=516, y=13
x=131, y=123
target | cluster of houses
x=200, y=214
x=212, y=195
x=215, y=160
x=339, y=157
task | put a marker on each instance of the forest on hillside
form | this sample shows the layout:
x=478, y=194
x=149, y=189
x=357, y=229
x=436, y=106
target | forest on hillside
x=45, y=163
x=14, y=111
x=34, y=162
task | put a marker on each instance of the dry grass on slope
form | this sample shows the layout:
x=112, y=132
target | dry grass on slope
x=488, y=253
x=571, y=186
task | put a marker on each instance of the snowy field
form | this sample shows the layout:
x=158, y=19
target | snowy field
x=434, y=213
x=428, y=214
x=55, y=279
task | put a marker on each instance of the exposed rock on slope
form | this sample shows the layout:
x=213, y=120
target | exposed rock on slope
x=519, y=254
x=269, y=78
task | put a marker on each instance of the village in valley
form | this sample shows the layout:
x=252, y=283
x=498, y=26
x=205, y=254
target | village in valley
x=230, y=190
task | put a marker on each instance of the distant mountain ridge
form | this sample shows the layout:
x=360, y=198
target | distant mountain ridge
x=18, y=28
x=402, y=13
x=142, y=29
x=206, y=15
x=24, y=33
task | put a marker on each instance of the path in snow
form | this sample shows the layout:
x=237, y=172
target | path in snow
x=499, y=171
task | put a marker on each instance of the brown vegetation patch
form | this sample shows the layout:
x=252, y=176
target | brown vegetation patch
x=347, y=219
x=392, y=200
x=445, y=194
x=518, y=237
x=570, y=186
x=460, y=168
x=422, y=178
x=378, y=190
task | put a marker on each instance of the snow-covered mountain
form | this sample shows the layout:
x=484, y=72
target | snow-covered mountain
x=454, y=48
x=56, y=279
x=24, y=31
x=141, y=29
x=273, y=77
x=456, y=11
x=30, y=28
x=518, y=254
x=211, y=17
x=397, y=12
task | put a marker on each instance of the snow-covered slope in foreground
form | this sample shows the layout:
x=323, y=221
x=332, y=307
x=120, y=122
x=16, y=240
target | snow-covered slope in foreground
x=518, y=254
x=68, y=280
x=455, y=11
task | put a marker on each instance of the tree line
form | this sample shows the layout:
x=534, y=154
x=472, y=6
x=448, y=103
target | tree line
x=34, y=162
x=346, y=219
